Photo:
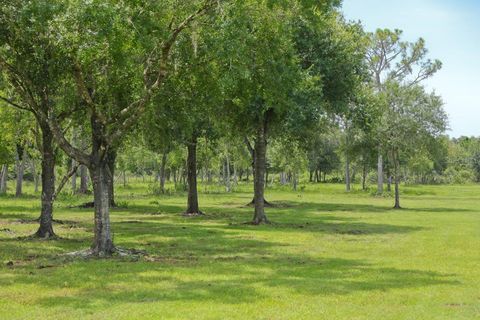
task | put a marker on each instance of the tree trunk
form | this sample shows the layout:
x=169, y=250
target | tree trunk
x=192, y=201
x=364, y=176
x=74, y=178
x=20, y=166
x=83, y=180
x=227, y=175
x=102, y=243
x=3, y=179
x=235, y=178
x=34, y=174
x=259, y=176
x=162, y=172
x=379, y=173
x=111, y=158
x=48, y=184
x=397, y=180
x=347, y=173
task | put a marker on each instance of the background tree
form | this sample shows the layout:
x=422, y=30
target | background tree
x=414, y=116
x=391, y=59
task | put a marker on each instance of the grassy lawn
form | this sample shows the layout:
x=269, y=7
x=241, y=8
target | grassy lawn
x=327, y=255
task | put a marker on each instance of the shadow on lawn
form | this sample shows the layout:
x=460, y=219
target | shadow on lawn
x=197, y=262
x=234, y=279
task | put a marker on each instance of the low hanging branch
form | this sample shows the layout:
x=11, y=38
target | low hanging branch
x=64, y=181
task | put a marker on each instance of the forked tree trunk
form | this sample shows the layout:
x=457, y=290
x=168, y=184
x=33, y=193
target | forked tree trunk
x=20, y=164
x=48, y=185
x=192, y=201
x=103, y=242
x=259, y=176
x=3, y=179
x=379, y=173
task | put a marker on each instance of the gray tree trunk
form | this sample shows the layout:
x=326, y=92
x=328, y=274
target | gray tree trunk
x=83, y=180
x=103, y=241
x=380, y=174
x=45, y=229
x=235, y=176
x=397, y=179
x=347, y=173
x=20, y=166
x=227, y=175
x=259, y=174
x=3, y=179
x=34, y=174
x=74, y=179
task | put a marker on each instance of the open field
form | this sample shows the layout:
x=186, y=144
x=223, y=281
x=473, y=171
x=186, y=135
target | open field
x=327, y=255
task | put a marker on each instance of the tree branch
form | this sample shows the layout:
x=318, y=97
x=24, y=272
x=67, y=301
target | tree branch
x=64, y=181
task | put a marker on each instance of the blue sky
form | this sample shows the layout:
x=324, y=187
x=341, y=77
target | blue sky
x=452, y=33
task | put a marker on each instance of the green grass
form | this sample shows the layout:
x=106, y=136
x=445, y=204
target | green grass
x=328, y=255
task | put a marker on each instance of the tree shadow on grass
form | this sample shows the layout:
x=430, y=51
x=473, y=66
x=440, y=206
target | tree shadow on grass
x=189, y=261
x=231, y=280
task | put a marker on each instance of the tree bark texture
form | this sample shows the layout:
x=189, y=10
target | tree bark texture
x=192, y=201
x=83, y=180
x=380, y=174
x=3, y=179
x=45, y=229
x=259, y=176
x=111, y=158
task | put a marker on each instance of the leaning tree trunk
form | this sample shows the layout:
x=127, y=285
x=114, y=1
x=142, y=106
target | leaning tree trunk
x=111, y=158
x=397, y=179
x=259, y=176
x=48, y=185
x=192, y=201
x=20, y=164
x=3, y=179
x=74, y=178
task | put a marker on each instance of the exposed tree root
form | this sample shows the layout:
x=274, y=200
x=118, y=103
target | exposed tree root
x=193, y=214
x=45, y=236
x=117, y=252
x=265, y=203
